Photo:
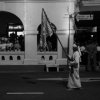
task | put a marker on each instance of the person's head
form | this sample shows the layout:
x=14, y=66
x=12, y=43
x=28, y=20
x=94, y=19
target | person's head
x=75, y=48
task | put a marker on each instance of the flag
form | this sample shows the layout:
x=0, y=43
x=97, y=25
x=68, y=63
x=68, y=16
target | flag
x=46, y=29
x=46, y=24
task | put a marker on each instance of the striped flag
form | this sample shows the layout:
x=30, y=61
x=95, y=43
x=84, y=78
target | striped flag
x=46, y=29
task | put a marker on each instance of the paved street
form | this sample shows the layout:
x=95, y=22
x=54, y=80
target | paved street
x=47, y=86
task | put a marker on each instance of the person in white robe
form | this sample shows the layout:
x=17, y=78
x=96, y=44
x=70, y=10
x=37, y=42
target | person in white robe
x=74, y=78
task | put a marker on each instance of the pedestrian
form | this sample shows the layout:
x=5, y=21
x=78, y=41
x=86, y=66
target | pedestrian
x=91, y=49
x=84, y=56
x=74, y=78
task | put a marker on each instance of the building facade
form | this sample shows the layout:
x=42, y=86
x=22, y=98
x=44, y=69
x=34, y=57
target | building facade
x=19, y=30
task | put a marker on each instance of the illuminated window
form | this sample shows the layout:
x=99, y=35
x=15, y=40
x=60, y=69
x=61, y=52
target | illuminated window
x=11, y=32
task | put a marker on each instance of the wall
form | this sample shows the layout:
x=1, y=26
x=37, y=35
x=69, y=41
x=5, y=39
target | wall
x=30, y=14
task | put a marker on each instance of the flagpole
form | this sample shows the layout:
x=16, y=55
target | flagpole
x=62, y=47
x=56, y=36
x=58, y=39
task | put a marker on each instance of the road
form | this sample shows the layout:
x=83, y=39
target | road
x=47, y=86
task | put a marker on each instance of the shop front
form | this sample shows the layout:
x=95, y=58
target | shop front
x=88, y=31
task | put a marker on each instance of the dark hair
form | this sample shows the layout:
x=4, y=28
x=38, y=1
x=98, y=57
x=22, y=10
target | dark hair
x=75, y=48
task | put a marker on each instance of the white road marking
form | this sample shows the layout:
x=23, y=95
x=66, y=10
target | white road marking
x=65, y=79
x=52, y=79
x=11, y=93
